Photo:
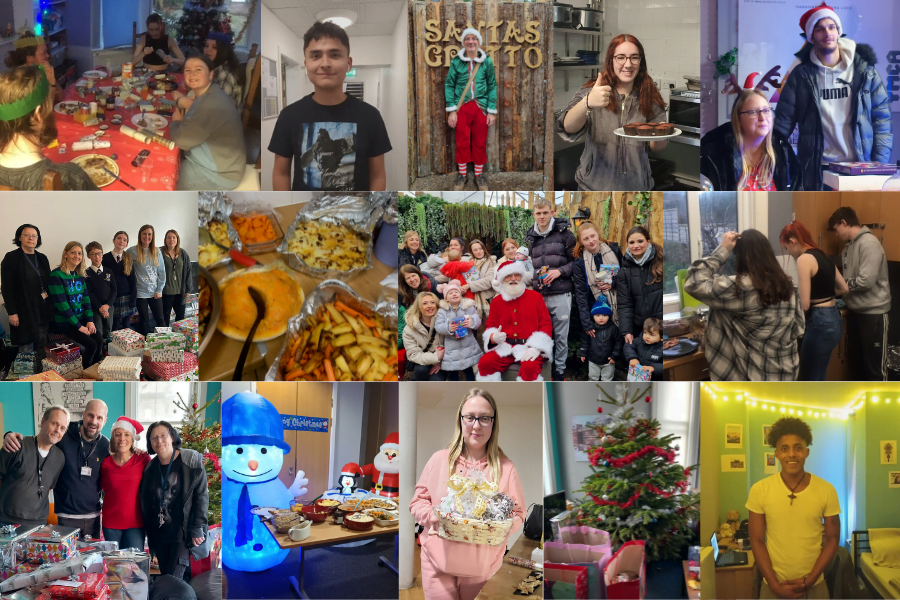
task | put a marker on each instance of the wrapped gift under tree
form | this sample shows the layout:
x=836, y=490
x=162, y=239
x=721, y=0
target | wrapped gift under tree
x=93, y=587
x=127, y=340
x=165, y=347
x=121, y=368
x=51, y=543
x=189, y=328
x=186, y=370
x=63, y=352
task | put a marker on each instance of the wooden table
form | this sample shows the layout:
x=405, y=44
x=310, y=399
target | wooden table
x=692, y=594
x=691, y=367
x=221, y=355
x=507, y=578
x=735, y=582
x=330, y=534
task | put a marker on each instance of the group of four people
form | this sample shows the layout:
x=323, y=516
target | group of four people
x=89, y=294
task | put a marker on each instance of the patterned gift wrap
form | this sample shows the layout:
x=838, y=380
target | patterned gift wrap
x=43, y=546
x=171, y=371
x=93, y=586
x=24, y=364
x=47, y=572
x=27, y=567
x=638, y=374
x=120, y=368
x=127, y=340
x=473, y=531
x=189, y=329
x=63, y=352
x=92, y=372
x=57, y=337
x=164, y=346
x=163, y=330
x=48, y=364
x=7, y=572
x=113, y=351
x=45, y=376
x=167, y=356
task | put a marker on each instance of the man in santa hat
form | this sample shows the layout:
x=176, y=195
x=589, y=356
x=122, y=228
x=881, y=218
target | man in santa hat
x=518, y=329
x=836, y=96
x=385, y=469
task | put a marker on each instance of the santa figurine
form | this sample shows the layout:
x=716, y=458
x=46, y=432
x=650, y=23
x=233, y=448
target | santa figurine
x=385, y=469
x=518, y=329
x=347, y=480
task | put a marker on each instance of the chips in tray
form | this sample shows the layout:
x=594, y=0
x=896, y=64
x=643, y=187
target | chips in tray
x=325, y=245
x=340, y=344
x=219, y=232
x=210, y=254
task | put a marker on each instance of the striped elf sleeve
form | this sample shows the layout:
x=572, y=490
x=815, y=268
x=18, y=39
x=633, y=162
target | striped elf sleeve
x=58, y=288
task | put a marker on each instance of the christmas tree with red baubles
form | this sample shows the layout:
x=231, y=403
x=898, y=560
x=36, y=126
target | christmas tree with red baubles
x=637, y=491
x=198, y=19
x=207, y=440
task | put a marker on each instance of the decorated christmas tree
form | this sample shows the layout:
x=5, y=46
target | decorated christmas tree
x=198, y=19
x=208, y=442
x=637, y=491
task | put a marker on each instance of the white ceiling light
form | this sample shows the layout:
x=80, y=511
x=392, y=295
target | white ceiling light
x=340, y=17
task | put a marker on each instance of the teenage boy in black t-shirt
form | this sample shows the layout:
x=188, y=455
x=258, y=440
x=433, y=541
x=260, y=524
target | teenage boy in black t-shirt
x=334, y=141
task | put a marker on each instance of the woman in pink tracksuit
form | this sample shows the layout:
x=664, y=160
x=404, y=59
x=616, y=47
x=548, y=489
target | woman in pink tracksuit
x=458, y=570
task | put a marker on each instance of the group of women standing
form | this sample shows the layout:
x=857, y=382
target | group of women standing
x=757, y=318
x=75, y=298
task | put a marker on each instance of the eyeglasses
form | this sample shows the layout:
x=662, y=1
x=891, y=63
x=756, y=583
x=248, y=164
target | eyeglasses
x=30, y=236
x=620, y=59
x=485, y=421
x=160, y=438
x=756, y=112
x=96, y=253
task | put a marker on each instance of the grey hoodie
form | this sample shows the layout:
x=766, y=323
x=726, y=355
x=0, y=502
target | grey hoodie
x=866, y=272
x=835, y=103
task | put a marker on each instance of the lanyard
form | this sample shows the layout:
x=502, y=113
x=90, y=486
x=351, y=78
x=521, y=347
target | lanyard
x=34, y=265
x=40, y=467
x=94, y=447
x=164, y=483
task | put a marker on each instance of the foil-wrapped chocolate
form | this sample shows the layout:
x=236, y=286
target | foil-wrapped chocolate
x=499, y=508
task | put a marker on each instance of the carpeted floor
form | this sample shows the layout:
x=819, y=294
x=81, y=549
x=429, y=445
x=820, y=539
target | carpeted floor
x=330, y=573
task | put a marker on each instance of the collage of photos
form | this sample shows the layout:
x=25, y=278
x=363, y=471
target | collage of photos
x=645, y=232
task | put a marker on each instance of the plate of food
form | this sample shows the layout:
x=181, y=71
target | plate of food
x=382, y=518
x=66, y=107
x=150, y=121
x=378, y=503
x=327, y=245
x=282, y=292
x=648, y=132
x=94, y=164
x=94, y=74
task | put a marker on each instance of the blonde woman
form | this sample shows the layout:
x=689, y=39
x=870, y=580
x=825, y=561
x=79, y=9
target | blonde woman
x=747, y=154
x=482, y=286
x=424, y=345
x=150, y=279
x=121, y=265
x=458, y=570
x=72, y=314
x=411, y=252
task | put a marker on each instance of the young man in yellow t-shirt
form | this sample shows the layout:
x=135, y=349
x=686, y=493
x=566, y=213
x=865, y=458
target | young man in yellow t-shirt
x=789, y=512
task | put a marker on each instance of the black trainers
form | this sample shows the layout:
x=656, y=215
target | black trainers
x=558, y=376
x=461, y=181
x=480, y=183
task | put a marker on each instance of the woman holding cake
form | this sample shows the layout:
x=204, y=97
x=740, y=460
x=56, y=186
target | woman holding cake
x=458, y=570
x=747, y=154
x=622, y=95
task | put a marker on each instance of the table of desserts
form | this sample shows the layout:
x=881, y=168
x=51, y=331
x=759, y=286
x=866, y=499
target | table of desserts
x=221, y=354
x=159, y=169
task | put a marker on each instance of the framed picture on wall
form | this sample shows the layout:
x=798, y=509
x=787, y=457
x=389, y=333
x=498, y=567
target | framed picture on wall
x=888, y=451
x=734, y=435
x=771, y=465
x=269, y=87
x=74, y=395
x=766, y=430
x=584, y=434
x=894, y=479
x=734, y=463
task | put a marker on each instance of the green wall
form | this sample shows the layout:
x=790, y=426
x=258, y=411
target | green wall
x=214, y=410
x=881, y=424
x=733, y=487
x=18, y=405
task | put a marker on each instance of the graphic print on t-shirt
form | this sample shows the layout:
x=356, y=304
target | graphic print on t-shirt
x=329, y=155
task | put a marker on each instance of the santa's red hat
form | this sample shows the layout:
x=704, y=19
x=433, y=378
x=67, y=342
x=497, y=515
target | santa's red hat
x=129, y=425
x=352, y=469
x=391, y=441
x=508, y=268
x=814, y=15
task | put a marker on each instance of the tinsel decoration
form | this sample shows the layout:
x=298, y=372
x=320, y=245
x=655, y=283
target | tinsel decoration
x=207, y=440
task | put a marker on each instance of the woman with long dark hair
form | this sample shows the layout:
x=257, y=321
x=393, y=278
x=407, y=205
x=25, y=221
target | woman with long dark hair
x=819, y=281
x=747, y=154
x=591, y=253
x=412, y=282
x=622, y=94
x=639, y=284
x=755, y=317
x=178, y=276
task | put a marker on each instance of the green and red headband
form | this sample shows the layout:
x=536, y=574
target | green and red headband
x=19, y=108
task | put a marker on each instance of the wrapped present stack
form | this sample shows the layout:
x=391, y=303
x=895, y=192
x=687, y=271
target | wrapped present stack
x=23, y=366
x=127, y=342
x=48, y=364
x=120, y=368
x=163, y=330
x=47, y=376
x=128, y=574
x=44, y=573
x=186, y=370
x=63, y=352
x=190, y=330
x=51, y=544
x=165, y=347
x=93, y=587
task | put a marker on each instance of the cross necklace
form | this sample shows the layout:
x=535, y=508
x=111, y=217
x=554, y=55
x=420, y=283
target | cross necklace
x=792, y=495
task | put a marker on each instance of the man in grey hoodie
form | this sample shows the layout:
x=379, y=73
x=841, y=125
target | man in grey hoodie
x=837, y=97
x=866, y=271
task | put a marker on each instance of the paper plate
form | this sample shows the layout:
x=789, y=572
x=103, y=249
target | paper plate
x=154, y=121
x=93, y=165
x=645, y=138
x=66, y=107
x=95, y=74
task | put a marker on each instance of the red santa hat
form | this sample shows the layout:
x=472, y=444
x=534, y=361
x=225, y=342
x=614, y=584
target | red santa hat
x=352, y=469
x=391, y=441
x=129, y=425
x=508, y=268
x=814, y=15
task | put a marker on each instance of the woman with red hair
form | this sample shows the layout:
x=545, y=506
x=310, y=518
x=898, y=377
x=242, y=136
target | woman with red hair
x=819, y=281
x=622, y=94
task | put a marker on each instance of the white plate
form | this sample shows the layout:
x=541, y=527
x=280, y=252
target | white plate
x=58, y=107
x=94, y=74
x=645, y=138
x=154, y=121
x=96, y=172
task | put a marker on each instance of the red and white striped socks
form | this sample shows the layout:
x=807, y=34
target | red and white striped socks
x=462, y=169
x=478, y=169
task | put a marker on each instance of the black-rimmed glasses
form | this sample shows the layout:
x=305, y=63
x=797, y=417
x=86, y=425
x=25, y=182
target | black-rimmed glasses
x=485, y=421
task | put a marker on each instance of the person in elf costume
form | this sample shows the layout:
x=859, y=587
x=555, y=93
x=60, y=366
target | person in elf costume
x=470, y=92
x=385, y=469
x=253, y=450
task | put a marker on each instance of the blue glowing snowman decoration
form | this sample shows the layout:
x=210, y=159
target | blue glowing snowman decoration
x=253, y=450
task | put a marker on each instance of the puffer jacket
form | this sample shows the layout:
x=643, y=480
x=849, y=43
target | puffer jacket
x=483, y=287
x=637, y=298
x=648, y=355
x=415, y=341
x=408, y=258
x=555, y=251
x=459, y=353
x=720, y=161
x=584, y=298
x=606, y=344
x=484, y=84
x=870, y=113
x=434, y=264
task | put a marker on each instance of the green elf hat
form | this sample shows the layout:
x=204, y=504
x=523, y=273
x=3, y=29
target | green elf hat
x=20, y=108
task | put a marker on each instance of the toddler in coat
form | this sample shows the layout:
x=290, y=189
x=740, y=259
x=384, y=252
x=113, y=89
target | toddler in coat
x=457, y=320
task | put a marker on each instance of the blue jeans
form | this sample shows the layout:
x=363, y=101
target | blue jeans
x=823, y=332
x=127, y=538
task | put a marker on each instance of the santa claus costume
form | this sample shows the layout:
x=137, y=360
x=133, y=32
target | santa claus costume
x=385, y=469
x=518, y=330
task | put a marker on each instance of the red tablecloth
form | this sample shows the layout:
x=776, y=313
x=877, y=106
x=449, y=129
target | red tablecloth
x=161, y=172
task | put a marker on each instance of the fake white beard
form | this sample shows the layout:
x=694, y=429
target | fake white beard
x=511, y=292
x=387, y=466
